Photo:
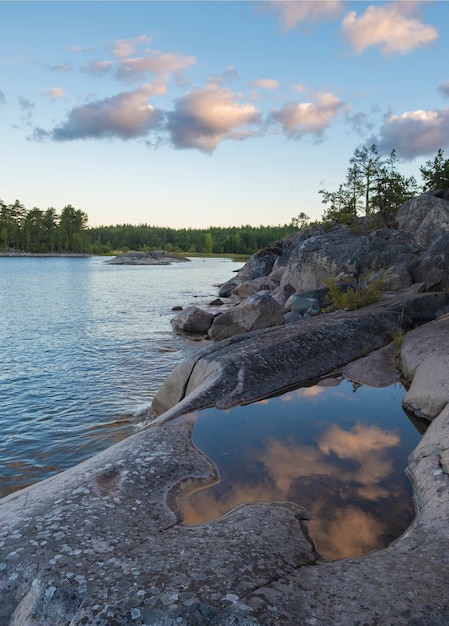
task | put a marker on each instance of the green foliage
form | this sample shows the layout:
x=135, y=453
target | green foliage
x=43, y=231
x=375, y=187
x=214, y=240
x=435, y=173
x=300, y=221
x=353, y=298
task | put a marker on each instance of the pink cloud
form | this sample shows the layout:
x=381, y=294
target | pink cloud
x=292, y=12
x=415, y=133
x=124, y=116
x=265, y=83
x=305, y=118
x=392, y=27
x=158, y=63
x=123, y=48
x=56, y=93
x=207, y=116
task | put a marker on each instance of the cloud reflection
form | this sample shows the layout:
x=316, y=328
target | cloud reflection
x=345, y=469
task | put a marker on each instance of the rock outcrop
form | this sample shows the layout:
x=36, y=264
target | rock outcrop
x=298, y=268
x=251, y=366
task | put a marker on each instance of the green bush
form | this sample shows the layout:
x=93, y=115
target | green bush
x=353, y=298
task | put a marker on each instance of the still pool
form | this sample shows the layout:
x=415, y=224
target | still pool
x=340, y=450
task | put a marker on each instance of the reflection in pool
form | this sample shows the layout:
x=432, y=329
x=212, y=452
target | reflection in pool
x=339, y=451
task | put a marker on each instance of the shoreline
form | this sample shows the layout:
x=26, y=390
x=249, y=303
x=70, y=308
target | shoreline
x=45, y=254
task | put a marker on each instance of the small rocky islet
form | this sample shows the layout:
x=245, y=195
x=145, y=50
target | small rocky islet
x=105, y=543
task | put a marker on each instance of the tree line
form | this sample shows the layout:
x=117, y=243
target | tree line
x=40, y=231
x=214, y=240
x=373, y=187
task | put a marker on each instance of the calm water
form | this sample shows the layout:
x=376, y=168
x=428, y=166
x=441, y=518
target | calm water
x=84, y=346
x=339, y=451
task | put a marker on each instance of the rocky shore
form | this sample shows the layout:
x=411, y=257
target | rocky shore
x=105, y=543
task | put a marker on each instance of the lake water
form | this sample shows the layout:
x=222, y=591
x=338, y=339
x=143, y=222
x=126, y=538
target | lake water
x=339, y=451
x=84, y=346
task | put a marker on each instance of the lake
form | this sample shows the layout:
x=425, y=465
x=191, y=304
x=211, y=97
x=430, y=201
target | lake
x=84, y=347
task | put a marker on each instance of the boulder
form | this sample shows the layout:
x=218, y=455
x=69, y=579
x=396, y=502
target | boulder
x=427, y=366
x=226, y=289
x=339, y=252
x=193, y=320
x=304, y=306
x=263, y=262
x=432, y=268
x=425, y=218
x=251, y=287
x=257, y=311
x=282, y=294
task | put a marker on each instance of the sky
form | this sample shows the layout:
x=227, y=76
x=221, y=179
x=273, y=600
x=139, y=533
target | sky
x=191, y=114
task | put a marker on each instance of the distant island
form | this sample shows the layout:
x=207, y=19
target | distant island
x=154, y=257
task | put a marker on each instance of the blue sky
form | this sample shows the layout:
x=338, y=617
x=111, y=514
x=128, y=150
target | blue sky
x=197, y=114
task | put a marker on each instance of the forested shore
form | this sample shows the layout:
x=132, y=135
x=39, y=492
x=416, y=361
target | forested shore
x=373, y=187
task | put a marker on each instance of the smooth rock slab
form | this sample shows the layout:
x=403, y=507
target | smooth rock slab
x=98, y=544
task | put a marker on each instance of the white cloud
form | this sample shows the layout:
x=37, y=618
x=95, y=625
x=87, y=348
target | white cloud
x=124, y=116
x=2, y=97
x=392, y=27
x=293, y=12
x=207, y=116
x=158, y=63
x=61, y=67
x=123, y=48
x=444, y=88
x=415, y=133
x=265, y=83
x=97, y=68
x=55, y=93
x=305, y=118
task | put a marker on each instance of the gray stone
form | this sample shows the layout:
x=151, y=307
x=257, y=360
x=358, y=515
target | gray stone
x=432, y=268
x=303, y=305
x=257, y=311
x=193, y=320
x=226, y=289
x=425, y=362
x=424, y=218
